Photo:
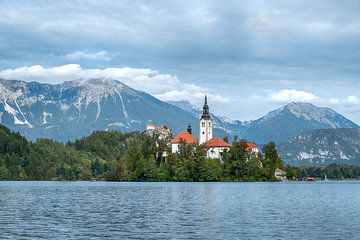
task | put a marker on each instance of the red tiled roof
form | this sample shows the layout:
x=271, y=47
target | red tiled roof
x=217, y=142
x=186, y=137
x=250, y=146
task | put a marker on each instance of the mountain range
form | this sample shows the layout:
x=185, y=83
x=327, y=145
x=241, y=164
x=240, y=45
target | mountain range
x=322, y=147
x=297, y=117
x=74, y=109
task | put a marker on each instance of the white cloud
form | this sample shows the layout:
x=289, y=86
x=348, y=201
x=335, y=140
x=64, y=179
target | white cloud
x=334, y=101
x=292, y=95
x=348, y=101
x=352, y=100
x=101, y=55
x=163, y=86
x=192, y=93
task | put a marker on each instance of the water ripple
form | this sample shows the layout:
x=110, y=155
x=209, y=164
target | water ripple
x=98, y=210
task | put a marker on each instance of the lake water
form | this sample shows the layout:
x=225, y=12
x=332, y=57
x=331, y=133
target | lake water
x=96, y=210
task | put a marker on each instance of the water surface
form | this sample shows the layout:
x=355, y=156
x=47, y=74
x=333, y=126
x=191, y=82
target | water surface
x=96, y=210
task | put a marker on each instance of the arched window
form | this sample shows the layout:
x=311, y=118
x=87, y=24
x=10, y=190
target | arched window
x=203, y=124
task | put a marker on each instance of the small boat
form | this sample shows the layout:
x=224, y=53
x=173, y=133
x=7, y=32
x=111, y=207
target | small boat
x=310, y=179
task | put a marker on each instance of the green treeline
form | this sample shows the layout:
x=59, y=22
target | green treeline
x=332, y=171
x=116, y=156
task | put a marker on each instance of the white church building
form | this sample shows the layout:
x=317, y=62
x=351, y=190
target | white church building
x=215, y=146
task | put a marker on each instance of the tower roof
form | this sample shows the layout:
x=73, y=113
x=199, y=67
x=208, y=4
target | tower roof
x=205, y=114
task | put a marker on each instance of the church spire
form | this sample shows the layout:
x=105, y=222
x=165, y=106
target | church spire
x=205, y=114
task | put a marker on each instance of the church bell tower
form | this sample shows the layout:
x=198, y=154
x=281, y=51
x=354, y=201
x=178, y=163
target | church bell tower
x=205, y=124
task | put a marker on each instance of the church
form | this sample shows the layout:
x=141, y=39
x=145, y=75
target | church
x=215, y=146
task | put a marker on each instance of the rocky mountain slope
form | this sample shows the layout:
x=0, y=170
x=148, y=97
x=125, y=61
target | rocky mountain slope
x=294, y=118
x=76, y=108
x=322, y=147
x=297, y=117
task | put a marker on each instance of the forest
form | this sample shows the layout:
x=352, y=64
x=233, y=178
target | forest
x=117, y=156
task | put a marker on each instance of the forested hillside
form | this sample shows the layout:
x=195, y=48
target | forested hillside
x=116, y=156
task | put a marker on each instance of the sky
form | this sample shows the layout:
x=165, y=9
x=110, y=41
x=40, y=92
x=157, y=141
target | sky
x=250, y=57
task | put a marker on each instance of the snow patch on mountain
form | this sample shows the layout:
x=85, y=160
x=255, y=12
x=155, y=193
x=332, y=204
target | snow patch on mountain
x=13, y=113
x=323, y=146
x=117, y=124
x=122, y=103
x=45, y=117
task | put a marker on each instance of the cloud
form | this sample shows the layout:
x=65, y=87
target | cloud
x=191, y=92
x=163, y=86
x=349, y=101
x=235, y=49
x=101, y=55
x=292, y=95
x=352, y=100
x=334, y=101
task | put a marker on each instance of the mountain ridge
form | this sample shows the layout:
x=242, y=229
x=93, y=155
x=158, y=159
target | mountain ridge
x=321, y=147
x=76, y=108
x=297, y=116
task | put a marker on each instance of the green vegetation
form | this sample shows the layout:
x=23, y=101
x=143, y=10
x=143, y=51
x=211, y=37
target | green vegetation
x=332, y=171
x=117, y=156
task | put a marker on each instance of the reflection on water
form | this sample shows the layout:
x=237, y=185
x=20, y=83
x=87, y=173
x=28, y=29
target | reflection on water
x=94, y=210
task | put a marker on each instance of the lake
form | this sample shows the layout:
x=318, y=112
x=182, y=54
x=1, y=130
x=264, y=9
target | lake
x=96, y=210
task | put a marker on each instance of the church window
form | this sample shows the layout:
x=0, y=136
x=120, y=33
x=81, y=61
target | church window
x=203, y=124
x=209, y=124
x=203, y=132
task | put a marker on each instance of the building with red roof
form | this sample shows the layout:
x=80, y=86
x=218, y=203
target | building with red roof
x=217, y=142
x=183, y=137
x=216, y=147
x=251, y=147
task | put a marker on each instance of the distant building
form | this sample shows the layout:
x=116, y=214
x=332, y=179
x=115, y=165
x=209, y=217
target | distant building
x=252, y=148
x=162, y=131
x=164, y=136
x=280, y=174
x=186, y=137
x=150, y=127
x=216, y=147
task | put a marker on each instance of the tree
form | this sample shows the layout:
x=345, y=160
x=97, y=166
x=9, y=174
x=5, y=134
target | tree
x=272, y=159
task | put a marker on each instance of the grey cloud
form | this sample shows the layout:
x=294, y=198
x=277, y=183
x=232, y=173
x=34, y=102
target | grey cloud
x=239, y=48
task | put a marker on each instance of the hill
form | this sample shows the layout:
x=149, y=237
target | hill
x=294, y=118
x=322, y=147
